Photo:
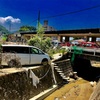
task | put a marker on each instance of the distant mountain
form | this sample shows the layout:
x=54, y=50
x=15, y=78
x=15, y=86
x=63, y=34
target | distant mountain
x=3, y=30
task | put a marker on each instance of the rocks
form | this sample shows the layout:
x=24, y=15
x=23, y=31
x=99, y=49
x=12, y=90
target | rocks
x=96, y=93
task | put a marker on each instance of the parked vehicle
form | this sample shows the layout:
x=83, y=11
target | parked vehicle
x=89, y=44
x=56, y=44
x=81, y=44
x=66, y=44
x=28, y=55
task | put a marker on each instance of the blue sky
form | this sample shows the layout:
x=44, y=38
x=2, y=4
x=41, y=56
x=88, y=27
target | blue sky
x=25, y=12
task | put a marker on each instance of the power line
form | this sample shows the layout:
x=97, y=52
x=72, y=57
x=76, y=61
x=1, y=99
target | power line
x=73, y=12
x=68, y=13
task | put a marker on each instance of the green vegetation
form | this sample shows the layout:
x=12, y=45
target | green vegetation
x=4, y=38
x=3, y=30
x=3, y=34
x=44, y=43
x=27, y=28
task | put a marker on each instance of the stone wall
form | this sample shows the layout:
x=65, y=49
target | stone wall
x=15, y=84
x=65, y=67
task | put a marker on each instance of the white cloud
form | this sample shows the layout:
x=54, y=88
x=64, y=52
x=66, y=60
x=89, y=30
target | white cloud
x=9, y=18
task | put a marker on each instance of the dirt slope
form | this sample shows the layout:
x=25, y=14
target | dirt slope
x=78, y=90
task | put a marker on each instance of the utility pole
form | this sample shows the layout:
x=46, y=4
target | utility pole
x=38, y=19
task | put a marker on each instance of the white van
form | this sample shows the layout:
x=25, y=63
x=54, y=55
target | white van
x=27, y=55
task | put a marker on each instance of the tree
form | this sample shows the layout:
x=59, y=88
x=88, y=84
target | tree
x=27, y=28
x=4, y=38
x=44, y=43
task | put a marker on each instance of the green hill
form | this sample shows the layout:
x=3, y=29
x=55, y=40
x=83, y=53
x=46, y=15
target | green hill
x=3, y=30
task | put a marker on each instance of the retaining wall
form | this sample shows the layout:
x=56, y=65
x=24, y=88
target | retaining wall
x=15, y=84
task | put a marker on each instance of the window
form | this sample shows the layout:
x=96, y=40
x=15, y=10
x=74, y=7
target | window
x=36, y=51
x=15, y=49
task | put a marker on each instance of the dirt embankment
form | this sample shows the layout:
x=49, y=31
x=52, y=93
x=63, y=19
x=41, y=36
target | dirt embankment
x=81, y=89
x=77, y=90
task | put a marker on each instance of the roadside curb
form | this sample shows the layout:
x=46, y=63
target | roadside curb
x=44, y=94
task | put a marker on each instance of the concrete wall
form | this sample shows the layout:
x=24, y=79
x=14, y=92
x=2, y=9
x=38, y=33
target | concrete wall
x=16, y=85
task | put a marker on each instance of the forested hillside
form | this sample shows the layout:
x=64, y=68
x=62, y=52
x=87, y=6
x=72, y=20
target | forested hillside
x=3, y=30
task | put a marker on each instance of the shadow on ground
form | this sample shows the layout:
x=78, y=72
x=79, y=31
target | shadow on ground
x=85, y=70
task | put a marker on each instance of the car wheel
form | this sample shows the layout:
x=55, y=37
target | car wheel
x=45, y=62
x=14, y=63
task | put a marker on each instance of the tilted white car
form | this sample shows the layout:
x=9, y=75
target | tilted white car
x=27, y=55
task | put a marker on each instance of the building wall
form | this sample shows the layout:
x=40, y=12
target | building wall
x=47, y=27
